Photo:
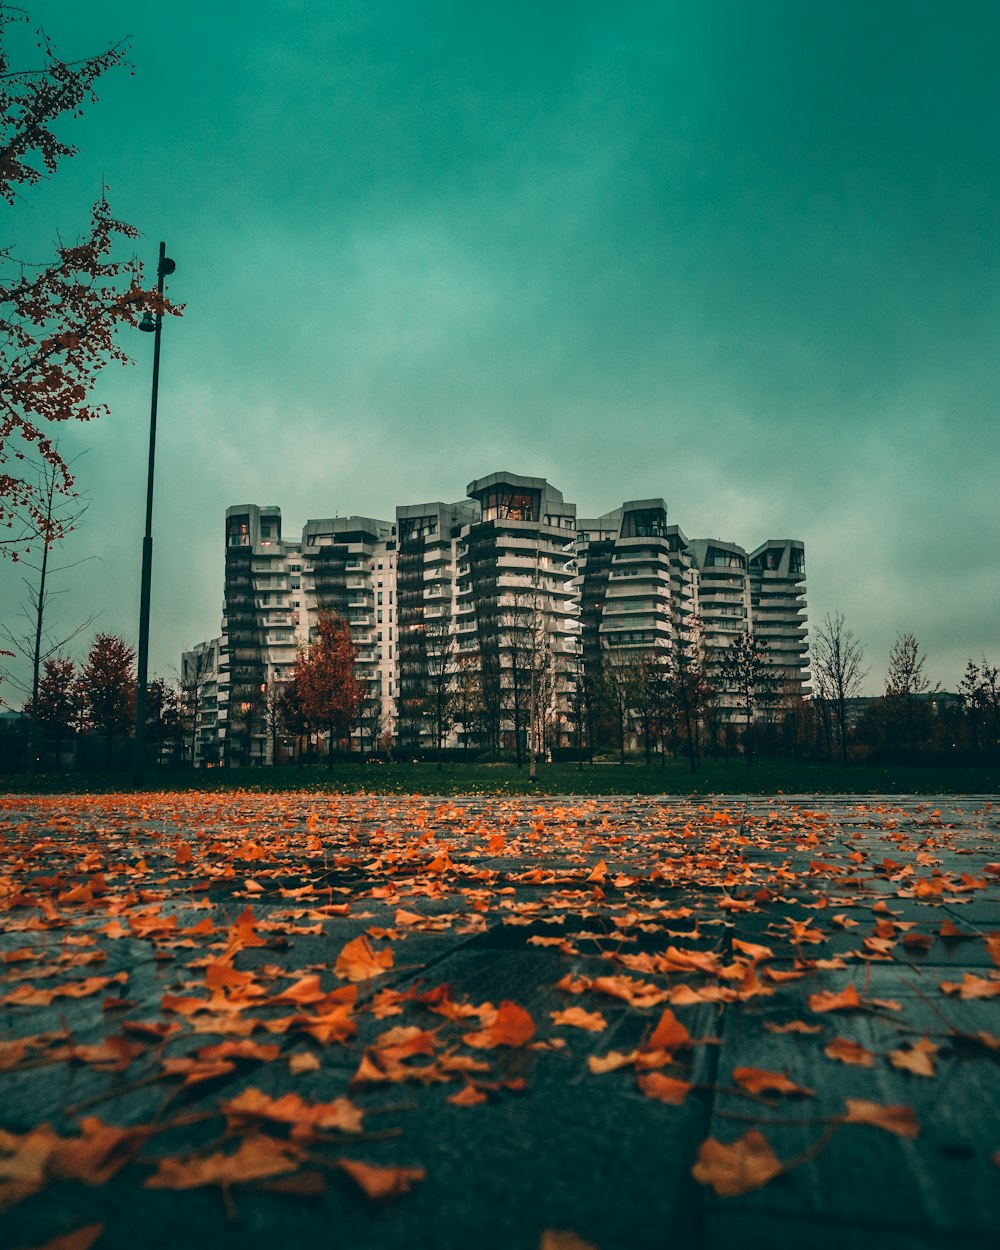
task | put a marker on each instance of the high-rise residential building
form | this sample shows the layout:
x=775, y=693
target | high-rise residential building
x=504, y=600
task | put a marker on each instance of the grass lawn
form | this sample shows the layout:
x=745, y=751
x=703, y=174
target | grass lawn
x=764, y=776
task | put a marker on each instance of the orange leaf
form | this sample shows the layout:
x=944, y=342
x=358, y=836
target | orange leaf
x=899, y=1119
x=512, y=1026
x=664, y=1088
x=917, y=1057
x=381, y=1183
x=576, y=1017
x=468, y=1097
x=972, y=986
x=793, y=1026
x=612, y=1061
x=760, y=1081
x=827, y=1000
x=669, y=1034
x=849, y=1052
x=736, y=1167
x=563, y=1239
x=257, y=1158
x=359, y=962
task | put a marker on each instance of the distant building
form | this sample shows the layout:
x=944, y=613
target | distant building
x=507, y=590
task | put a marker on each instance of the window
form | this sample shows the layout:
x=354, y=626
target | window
x=378, y=617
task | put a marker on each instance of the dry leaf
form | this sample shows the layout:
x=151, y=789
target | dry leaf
x=737, y=1167
x=381, y=1183
x=849, y=1052
x=898, y=1119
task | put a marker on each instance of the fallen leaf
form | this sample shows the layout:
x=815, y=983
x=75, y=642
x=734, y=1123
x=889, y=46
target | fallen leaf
x=737, y=1167
x=381, y=1183
x=359, y=962
x=760, y=1081
x=897, y=1119
x=849, y=1052
x=915, y=1057
x=666, y=1089
x=512, y=1026
x=577, y=1018
x=828, y=1000
x=257, y=1158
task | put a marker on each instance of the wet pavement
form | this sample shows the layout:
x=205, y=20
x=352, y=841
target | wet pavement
x=636, y=1022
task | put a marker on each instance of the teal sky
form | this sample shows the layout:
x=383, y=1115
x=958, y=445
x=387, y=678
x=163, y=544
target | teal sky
x=741, y=255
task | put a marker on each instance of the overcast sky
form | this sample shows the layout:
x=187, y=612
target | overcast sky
x=741, y=255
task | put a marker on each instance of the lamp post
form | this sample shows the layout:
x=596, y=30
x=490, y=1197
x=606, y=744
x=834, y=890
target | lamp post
x=152, y=325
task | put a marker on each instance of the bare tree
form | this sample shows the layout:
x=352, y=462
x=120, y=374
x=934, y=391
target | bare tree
x=620, y=675
x=746, y=673
x=904, y=684
x=61, y=514
x=838, y=670
x=198, y=670
x=441, y=672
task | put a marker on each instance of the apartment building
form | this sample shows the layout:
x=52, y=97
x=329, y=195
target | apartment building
x=508, y=584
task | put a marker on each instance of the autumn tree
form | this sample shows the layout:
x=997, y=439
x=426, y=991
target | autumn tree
x=291, y=709
x=324, y=672
x=163, y=717
x=838, y=670
x=107, y=688
x=744, y=671
x=59, y=315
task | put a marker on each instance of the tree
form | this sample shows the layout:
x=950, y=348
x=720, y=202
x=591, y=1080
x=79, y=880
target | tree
x=441, y=660
x=59, y=317
x=745, y=672
x=163, y=717
x=198, y=669
x=904, y=684
x=331, y=694
x=979, y=690
x=292, y=711
x=620, y=675
x=61, y=516
x=107, y=688
x=55, y=705
x=689, y=688
x=837, y=665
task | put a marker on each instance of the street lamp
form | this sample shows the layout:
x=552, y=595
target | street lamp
x=152, y=325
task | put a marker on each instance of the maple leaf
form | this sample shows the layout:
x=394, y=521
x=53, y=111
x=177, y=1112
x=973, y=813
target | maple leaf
x=577, y=1018
x=897, y=1119
x=381, y=1183
x=511, y=1026
x=736, y=1167
x=828, y=1000
x=303, y=1061
x=359, y=962
x=760, y=1081
x=664, y=1088
x=916, y=1057
x=849, y=1052
x=257, y=1158
x=972, y=986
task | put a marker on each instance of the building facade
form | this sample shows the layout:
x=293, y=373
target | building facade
x=482, y=620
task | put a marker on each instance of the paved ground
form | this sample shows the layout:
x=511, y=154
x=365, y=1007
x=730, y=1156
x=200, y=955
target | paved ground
x=560, y=1022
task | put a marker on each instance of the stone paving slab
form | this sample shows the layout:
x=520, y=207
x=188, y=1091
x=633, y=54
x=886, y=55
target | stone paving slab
x=517, y=897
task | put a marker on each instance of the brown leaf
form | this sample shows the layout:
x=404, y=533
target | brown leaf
x=468, y=1097
x=849, y=1052
x=760, y=1081
x=563, y=1239
x=915, y=1057
x=793, y=1026
x=258, y=1158
x=577, y=1018
x=827, y=1000
x=252, y=1106
x=898, y=1119
x=664, y=1088
x=736, y=1167
x=612, y=1061
x=80, y=1239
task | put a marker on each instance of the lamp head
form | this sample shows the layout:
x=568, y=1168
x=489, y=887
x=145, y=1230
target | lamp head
x=148, y=322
